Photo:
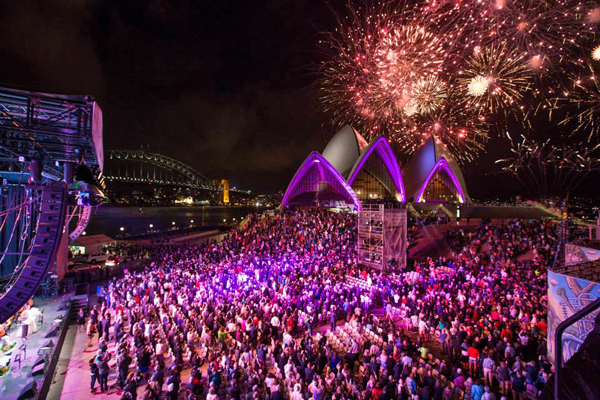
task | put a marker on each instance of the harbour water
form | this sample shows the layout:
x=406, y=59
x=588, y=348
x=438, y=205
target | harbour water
x=136, y=221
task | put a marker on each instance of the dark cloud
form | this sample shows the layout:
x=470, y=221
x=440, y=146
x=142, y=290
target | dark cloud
x=50, y=46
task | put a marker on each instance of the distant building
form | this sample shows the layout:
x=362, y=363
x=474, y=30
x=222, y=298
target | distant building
x=351, y=171
x=91, y=244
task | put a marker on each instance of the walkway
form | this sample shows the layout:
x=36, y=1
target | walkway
x=72, y=379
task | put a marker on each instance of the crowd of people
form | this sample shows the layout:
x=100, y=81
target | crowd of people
x=274, y=311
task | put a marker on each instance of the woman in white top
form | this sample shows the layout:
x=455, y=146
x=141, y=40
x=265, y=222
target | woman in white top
x=212, y=395
x=296, y=394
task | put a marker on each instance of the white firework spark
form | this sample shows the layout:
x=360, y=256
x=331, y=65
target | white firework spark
x=478, y=86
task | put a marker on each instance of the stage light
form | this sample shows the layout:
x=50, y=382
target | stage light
x=122, y=229
x=84, y=233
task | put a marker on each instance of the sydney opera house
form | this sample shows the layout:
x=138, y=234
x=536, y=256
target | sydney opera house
x=351, y=171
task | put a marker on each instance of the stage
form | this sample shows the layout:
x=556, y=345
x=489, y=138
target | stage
x=17, y=378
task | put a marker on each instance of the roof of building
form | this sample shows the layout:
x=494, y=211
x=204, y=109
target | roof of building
x=432, y=153
x=344, y=148
x=89, y=240
x=381, y=147
x=304, y=188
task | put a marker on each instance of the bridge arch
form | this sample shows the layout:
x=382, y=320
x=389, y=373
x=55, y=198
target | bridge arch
x=193, y=178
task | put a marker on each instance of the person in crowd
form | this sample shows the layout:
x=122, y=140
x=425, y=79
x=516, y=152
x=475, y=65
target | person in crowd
x=102, y=359
x=80, y=320
x=93, y=374
x=90, y=331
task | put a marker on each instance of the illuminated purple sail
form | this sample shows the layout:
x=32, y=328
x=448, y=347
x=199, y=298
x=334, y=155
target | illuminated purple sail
x=381, y=149
x=442, y=163
x=318, y=181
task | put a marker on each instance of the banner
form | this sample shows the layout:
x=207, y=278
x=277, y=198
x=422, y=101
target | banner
x=97, y=135
x=566, y=296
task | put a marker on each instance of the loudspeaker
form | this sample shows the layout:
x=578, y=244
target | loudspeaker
x=82, y=222
x=40, y=360
x=38, y=369
x=48, y=345
x=53, y=331
x=29, y=391
x=45, y=243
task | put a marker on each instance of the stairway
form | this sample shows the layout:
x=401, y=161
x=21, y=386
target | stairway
x=79, y=302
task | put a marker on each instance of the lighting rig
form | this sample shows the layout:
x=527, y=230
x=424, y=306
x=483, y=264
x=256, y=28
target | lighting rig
x=51, y=161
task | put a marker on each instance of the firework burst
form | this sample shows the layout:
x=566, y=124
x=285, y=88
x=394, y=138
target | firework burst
x=428, y=95
x=408, y=69
x=496, y=80
x=376, y=62
x=553, y=30
x=584, y=96
x=464, y=133
x=478, y=85
x=547, y=29
x=596, y=53
x=546, y=169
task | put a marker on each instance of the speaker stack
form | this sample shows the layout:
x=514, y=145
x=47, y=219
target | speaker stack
x=50, y=224
x=28, y=392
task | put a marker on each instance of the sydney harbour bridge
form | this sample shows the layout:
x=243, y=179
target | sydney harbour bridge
x=143, y=169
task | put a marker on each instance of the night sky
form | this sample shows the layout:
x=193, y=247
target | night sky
x=224, y=86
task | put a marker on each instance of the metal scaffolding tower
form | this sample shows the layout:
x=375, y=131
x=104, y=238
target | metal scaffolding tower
x=382, y=240
x=370, y=236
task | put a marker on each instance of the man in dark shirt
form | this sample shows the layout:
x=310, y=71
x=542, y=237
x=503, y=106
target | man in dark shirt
x=532, y=372
x=104, y=326
x=234, y=392
x=309, y=373
x=103, y=370
x=123, y=364
x=518, y=385
x=429, y=381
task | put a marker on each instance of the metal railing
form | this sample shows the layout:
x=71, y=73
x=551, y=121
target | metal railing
x=42, y=392
x=558, y=348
